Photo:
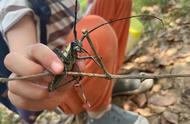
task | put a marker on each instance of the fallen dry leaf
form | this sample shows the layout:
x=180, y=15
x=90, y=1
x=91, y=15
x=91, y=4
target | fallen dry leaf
x=187, y=59
x=162, y=100
x=140, y=100
x=171, y=51
x=156, y=88
x=171, y=117
x=157, y=109
x=144, y=112
x=130, y=105
x=143, y=59
x=164, y=121
x=154, y=119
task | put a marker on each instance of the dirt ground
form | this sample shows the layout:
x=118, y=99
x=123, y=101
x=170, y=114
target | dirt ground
x=167, y=102
x=164, y=51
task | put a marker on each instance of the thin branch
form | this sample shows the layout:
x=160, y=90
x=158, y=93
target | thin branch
x=151, y=76
x=4, y=80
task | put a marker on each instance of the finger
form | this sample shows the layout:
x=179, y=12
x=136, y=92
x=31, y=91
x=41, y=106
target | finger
x=28, y=90
x=46, y=57
x=21, y=65
x=44, y=81
x=33, y=105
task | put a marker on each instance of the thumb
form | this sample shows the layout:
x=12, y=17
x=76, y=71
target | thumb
x=46, y=57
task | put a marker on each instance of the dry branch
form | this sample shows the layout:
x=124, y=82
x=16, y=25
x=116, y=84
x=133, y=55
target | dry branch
x=142, y=76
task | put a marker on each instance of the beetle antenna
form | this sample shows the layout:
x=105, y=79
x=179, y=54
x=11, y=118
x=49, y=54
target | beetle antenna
x=122, y=19
x=75, y=21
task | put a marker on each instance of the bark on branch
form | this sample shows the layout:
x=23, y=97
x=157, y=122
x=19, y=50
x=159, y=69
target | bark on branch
x=141, y=76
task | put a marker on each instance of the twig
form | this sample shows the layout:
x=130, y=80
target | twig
x=3, y=80
x=151, y=76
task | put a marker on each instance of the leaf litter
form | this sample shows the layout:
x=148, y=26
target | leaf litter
x=167, y=102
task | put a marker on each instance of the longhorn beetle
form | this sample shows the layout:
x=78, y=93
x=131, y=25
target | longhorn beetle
x=70, y=55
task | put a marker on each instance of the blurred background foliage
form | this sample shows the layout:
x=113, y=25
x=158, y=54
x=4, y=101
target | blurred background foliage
x=182, y=5
x=170, y=11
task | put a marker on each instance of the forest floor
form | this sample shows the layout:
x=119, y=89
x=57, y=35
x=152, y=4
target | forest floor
x=160, y=51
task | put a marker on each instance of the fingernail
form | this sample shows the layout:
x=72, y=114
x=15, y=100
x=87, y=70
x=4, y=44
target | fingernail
x=57, y=67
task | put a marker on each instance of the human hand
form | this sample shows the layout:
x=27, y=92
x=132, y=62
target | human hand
x=32, y=94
